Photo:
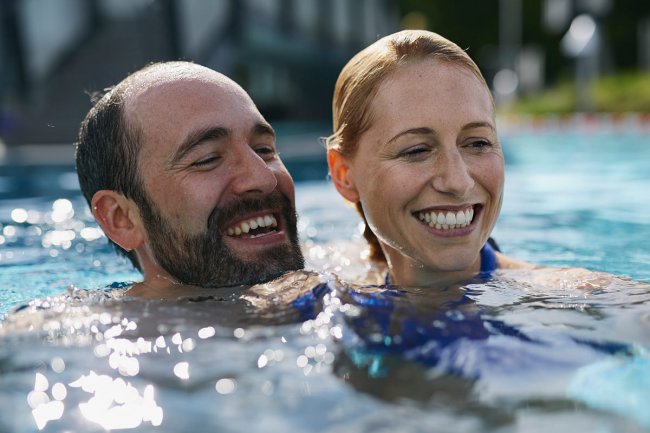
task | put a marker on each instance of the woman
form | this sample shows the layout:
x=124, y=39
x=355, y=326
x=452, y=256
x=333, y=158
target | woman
x=415, y=148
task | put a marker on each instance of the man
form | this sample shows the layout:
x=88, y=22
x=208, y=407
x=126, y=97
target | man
x=182, y=173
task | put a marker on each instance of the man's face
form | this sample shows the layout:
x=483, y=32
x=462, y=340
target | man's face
x=220, y=204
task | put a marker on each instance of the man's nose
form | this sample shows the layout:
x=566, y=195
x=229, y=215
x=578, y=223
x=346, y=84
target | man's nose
x=251, y=173
x=451, y=173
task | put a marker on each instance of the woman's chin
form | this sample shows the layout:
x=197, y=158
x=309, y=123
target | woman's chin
x=453, y=259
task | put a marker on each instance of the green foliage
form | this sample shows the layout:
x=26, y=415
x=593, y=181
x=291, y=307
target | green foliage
x=629, y=91
x=624, y=92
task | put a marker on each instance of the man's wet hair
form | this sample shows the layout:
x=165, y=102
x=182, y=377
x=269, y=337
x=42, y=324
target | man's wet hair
x=107, y=151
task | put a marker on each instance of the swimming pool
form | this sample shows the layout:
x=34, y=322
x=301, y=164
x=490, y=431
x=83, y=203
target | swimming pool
x=495, y=356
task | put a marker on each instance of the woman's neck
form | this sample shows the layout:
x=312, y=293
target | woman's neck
x=406, y=272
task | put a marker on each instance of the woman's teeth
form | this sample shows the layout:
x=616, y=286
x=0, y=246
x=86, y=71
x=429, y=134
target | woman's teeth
x=252, y=224
x=446, y=220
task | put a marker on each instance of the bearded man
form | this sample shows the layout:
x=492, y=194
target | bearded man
x=182, y=173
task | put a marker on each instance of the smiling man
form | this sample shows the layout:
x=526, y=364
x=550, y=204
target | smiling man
x=182, y=173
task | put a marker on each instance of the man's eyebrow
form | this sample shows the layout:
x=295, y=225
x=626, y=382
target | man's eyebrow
x=196, y=138
x=263, y=129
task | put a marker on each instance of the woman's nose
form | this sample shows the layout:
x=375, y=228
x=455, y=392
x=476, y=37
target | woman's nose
x=451, y=173
x=252, y=173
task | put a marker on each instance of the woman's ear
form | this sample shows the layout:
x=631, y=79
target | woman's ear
x=119, y=218
x=341, y=176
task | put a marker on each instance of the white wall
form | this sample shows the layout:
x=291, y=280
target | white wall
x=49, y=27
x=123, y=8
x=199, y=20
x=306, y=13
x=342, y=21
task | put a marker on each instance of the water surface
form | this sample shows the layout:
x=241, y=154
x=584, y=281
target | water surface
x=521, y=352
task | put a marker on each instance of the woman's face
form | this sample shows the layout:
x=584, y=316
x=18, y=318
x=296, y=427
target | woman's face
x=429, y=171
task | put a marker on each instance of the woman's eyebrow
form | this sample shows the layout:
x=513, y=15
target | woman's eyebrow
x=473, y=125
x=196, y=138
x=413, y=131
x=429, y=131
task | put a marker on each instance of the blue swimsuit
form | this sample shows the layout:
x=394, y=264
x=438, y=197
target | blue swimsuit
x=488, y=261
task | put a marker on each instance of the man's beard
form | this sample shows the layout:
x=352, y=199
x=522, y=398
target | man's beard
x=205, y=260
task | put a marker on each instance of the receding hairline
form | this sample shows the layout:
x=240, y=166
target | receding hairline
x=155, y=79
x=162, y=74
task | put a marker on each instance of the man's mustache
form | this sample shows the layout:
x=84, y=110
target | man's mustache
x=275, y=201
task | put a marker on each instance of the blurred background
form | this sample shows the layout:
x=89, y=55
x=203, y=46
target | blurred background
x=539, y=56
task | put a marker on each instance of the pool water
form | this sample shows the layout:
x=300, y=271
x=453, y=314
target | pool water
x=315, y=353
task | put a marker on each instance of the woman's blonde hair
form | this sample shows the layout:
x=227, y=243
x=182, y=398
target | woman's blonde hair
x=360, y=79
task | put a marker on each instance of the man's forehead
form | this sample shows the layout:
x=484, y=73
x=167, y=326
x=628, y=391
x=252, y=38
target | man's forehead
x=177, y=97
x=160, y=82
x=168, y=105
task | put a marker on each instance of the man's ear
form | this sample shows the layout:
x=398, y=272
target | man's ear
x=340, y=172
x=119, y=218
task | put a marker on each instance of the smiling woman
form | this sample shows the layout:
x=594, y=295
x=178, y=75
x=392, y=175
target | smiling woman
x=415, y=147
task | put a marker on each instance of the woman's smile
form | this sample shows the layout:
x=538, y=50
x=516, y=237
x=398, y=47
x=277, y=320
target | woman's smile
x=449, y=222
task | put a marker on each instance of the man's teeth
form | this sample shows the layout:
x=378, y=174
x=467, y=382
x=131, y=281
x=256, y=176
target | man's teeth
x=251, y=224
x=446, y=219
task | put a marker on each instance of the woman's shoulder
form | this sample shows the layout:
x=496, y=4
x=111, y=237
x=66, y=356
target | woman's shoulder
x=507, y=262
x=565, y=277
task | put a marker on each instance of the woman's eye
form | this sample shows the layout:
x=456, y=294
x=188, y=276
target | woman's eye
x=414, y=152
x=480, y=144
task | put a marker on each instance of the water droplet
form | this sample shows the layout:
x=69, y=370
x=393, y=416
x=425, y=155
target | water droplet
x=19, y=215
x=225, y=386
x=59, y=391
x=302, y=361
x=41, y=383
x=206, y=332
x=57, y=364
x=188, y=345
x=262, y=361
x=181, y=370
